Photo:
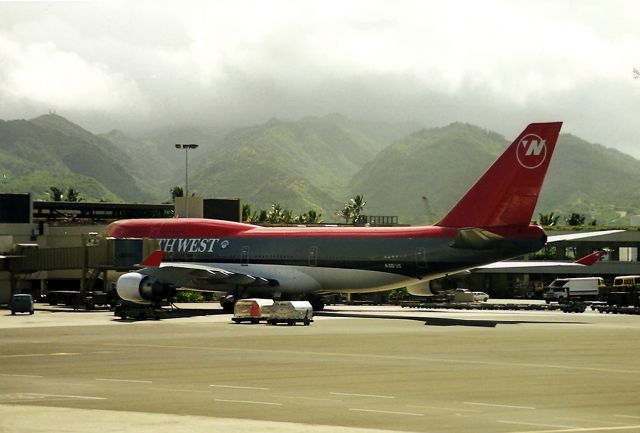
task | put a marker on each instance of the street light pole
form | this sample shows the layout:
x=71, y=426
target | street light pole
x=186, y=148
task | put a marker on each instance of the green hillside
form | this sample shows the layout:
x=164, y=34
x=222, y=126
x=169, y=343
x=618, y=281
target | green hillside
x=51, y=151
x=420, y=177
x=592, y=180
x=301, y=165
x=314, y=163
x=148, y=163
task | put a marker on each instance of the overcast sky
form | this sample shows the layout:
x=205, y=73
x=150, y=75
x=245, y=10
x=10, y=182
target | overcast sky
x=498, y=64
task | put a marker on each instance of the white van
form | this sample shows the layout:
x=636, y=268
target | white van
x=566, y=289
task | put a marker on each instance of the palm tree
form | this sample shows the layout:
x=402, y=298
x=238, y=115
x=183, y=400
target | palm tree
x=56, y=193
x=357, y=205
x=73, y=195
x=176, y=191
x=352, y=209
x=549, y=219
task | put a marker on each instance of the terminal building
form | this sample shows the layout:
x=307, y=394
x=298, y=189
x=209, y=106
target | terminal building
x=58, y=246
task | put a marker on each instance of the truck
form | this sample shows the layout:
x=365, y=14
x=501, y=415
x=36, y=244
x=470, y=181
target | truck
x=564, y=290
x=252, y=310
x=291, y=312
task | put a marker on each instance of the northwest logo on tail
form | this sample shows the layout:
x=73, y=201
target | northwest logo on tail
x=531, y=151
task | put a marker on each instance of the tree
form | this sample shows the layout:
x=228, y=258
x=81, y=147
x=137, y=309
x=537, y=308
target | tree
x=357, y=204
x=575, y=219
x=311, y=217
x=246, y=213
x=176, y=191
x=548, y=220
x=73, y=195
x=56, y=193
x=352, y=209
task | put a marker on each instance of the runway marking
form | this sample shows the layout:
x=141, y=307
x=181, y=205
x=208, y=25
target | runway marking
x=258, y=388
x=585, y=429
x=507, y=406
x=361, y=395
x=451, y=409
x=540, y=425
x=22, y=375
x=267, y=403
x=32, y=355
x=27, y=397
x=180, y=390
x=387, y=412
x=393, y=357
x=125, y=380
x=332, y=400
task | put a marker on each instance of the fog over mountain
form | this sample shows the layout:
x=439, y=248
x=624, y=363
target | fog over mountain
x=216, y=66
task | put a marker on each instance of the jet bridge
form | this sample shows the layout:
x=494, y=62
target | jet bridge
x=94, y=259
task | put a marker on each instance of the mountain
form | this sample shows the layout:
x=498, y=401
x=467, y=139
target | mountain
x=420, y=177
x=301, y=165
x=148, y=163
x=593, y=180
x=51, y=151
x=313, y=163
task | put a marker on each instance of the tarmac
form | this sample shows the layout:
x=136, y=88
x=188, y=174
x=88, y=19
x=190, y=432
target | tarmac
x=355, y=369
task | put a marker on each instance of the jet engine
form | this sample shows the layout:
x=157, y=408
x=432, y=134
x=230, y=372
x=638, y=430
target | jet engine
x=420, y=289
x=142, y=289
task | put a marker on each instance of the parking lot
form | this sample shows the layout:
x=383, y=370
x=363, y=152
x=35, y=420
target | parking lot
x=374, y=368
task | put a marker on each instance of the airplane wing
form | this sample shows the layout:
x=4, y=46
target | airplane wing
x=203, y=277
x=507, y=265
x=579, y=235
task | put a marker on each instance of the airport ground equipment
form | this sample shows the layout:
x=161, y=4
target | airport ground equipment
x=129, y=310
x=291, y=312
x=21, y=303
x=571, y=307
x=76, y=299
x=624, y=301
x=563, y=290
x=252, y=310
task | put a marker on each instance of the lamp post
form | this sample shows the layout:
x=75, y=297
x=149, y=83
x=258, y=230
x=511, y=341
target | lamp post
x=186, y=148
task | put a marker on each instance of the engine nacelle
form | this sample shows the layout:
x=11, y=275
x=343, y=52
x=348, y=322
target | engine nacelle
x=420, y=289
x=142, y=289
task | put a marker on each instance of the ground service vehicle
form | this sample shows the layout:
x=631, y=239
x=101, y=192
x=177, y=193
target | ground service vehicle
x=626, y=281
x=291, y=312
x=480, y=297
x=573, y=289
x=21, y=303
x=252, y=310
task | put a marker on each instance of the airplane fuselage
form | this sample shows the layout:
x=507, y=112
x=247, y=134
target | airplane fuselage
x=326, y=259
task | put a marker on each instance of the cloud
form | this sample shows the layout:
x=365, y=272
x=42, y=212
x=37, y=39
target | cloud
x=43, y=75
x=496, y=63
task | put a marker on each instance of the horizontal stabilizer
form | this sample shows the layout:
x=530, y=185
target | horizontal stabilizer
x=591, y=258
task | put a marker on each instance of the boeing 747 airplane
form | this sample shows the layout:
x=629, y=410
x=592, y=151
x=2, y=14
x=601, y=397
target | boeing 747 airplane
x=491, y=223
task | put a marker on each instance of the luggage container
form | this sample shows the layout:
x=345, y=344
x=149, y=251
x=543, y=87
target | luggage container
x=252, y=310
x=291, y=312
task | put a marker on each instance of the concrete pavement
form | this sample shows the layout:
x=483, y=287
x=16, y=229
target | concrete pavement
x=533, y=372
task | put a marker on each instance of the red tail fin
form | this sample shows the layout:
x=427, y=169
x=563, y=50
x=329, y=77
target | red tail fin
x=591, y=258
x=507, y=193
x=153, y=260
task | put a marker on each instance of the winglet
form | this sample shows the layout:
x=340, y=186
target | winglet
x=591, y=258
x=507, y=192
x=153, y=260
